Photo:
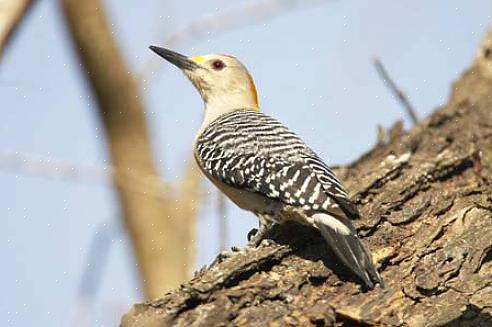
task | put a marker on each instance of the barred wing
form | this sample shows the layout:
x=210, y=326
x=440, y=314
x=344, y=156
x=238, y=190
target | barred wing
x=254, y=152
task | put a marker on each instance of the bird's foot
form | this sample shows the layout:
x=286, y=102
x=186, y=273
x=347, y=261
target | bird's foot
x=251, y=234
x=257, y=237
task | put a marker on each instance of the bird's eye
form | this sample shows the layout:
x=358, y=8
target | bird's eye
x=218, y=64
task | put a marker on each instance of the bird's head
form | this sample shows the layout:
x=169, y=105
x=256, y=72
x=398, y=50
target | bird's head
x=223, y=82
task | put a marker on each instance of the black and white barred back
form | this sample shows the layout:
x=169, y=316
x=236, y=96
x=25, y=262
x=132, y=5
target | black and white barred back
x=254, y=152
x=251, y=150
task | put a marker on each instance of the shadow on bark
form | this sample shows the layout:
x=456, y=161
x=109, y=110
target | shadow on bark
x=471, y=317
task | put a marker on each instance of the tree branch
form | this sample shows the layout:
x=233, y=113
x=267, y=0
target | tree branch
x=222, y=221
x=425, y=199
x=222, y=21
x=159, y=243
x=11, y=14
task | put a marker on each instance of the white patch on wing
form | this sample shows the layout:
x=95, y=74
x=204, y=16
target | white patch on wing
x=316, y=192
x=331, y=222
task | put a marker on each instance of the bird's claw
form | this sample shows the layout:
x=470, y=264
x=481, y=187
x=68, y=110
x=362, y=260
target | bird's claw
x=256, y=236
x=252, y=233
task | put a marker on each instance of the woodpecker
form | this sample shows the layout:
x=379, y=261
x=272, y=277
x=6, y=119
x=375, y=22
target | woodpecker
x=264, y=167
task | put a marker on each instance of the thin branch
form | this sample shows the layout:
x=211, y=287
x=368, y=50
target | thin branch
x=187, y=202
x=92, y=273
x=224, y=21
x=397, y=92
x=222, y=221
x=131, y=180
x=96, y=260
x=381, y=135
x=52, y=169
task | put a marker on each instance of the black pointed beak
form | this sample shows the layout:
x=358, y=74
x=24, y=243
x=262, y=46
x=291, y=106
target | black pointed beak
x=175, y=58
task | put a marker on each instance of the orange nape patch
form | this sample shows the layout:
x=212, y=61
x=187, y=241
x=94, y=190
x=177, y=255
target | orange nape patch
x=252, y=89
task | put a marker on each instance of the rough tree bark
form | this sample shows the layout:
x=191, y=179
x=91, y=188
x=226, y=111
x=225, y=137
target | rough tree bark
x=426, y=201
x=160, y=222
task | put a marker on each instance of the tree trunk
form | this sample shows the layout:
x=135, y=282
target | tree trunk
x=161, y=236
x=426, y=205
x=11, y=14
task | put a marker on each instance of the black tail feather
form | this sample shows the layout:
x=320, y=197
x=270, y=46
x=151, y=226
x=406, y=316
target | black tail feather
x=352, y=252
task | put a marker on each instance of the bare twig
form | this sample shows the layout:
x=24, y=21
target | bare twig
x=11, y=14
x=131, y=180
x=222, y=21
x=222, y=221
x=381, y=135
x=96, y=260
x=93, y=271
x=53, y=169
x=397, y=92
x=187, y=202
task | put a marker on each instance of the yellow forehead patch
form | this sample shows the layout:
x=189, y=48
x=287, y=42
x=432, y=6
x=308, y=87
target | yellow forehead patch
x=198, y=59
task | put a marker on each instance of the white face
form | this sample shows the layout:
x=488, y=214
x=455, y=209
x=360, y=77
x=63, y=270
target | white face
x=223, y=82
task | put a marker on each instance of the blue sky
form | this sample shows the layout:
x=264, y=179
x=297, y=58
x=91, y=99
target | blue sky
x=313, y=71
